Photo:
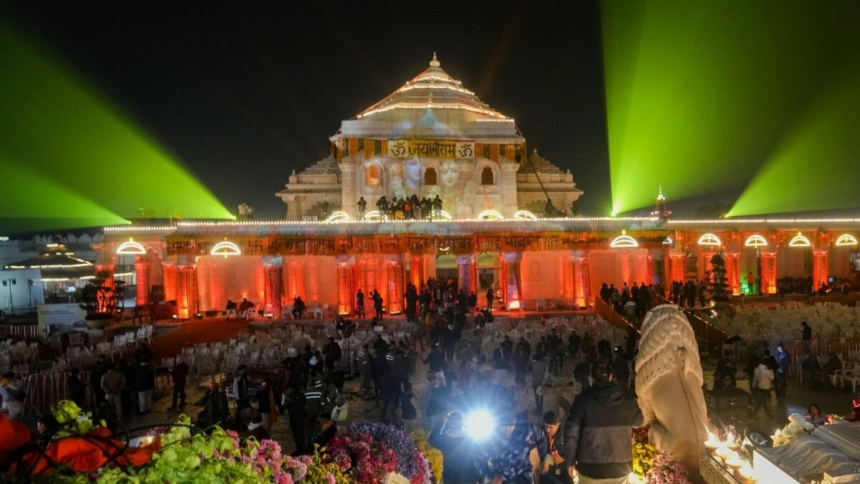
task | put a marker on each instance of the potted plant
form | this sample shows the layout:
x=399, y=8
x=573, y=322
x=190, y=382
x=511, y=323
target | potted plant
x=718, y=282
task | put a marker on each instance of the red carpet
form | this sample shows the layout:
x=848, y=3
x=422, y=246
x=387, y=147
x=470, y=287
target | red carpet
x=189, y=334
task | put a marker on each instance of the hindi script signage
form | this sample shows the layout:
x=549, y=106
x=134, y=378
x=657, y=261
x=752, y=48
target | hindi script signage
x=431, y=149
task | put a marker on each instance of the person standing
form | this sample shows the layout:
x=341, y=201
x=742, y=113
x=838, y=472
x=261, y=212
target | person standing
x=266, y=405
x=179, y=373
x=762, y=383
x=806, y=331
x=113, y=383
x=553, y=466
x=76, y=387
x=490, y=297
x=143, y=384
x=783, y=363
x=13, y=395
x=377, y=304
x=240, y=389
x=99, y=370
x=362, y=207
x=359, y=305
x=598, y=428
x=295, y=407
x=408, y=413
x=456, y=448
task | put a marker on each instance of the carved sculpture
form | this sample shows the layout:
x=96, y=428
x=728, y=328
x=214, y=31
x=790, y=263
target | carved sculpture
x=669, y=385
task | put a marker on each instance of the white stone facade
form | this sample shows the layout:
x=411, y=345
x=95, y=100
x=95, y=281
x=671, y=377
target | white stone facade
x=430, y=137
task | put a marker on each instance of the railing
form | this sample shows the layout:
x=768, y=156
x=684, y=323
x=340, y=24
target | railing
x=705, y=332
x=23, y=331
x=608, y=313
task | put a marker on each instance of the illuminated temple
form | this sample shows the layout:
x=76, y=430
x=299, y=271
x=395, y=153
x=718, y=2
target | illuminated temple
x=433, y=137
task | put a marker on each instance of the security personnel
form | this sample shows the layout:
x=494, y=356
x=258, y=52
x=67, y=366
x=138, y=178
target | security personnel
x=553, y=467
x=315, y=400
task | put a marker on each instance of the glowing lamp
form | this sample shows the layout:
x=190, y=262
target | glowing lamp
x=524, y=215
x=131, y=248
x=337, y=216
x=755, y=241
x=479, y=424
x=226, y=249
x=710, y=239
x=846, y=239
x=799, y=241
x=514, y=305
x=624, y=241
x=490, y=215
x=668, y=240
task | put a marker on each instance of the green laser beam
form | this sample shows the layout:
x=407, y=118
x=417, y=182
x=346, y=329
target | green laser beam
x=32, y=202
x=816, y=166
x=60, y=126
x=699, y=93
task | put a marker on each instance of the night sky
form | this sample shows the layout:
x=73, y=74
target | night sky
x=242, y=94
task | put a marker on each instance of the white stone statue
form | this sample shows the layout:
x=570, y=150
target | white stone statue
x=669, y=386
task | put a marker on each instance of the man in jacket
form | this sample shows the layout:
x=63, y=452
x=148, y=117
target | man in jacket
x=144, y=384
x=553, y=464
x=449, y=437
x=783, y=362
x=113, y=382
x=599, y=425
x=179, y=372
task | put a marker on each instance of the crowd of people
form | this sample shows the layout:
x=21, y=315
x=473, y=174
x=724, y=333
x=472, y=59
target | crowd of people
x=406, y=208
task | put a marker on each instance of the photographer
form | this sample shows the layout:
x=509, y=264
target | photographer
x=456, y=447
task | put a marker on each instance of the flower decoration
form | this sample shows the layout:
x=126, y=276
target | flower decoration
x=666, y=470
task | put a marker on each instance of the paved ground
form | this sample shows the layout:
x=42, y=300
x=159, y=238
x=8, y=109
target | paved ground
x=798, y=398
x=172, y=337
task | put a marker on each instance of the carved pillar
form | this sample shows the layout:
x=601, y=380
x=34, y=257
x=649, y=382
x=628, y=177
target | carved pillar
x=416, y=270
x=141, y=270
x=170, y=275
x=513, y=280
x=733, y=271
x=566, y=274
x=820, y=266
x=345, y=284
x=186, y=292
x=466, y=273
x=768, y=273
x=394, y=273
x=579, y=282
x=676, y=271
x=582, y=282
x=508, y=188
x=347, y=183
x=274, y=284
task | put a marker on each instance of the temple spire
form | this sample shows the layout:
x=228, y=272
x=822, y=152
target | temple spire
x=660, y=209
x=435, y=62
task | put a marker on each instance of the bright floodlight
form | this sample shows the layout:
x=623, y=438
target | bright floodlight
x=479, y=424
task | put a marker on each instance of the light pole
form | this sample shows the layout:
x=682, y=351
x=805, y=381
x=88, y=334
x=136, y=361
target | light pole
x=30, y=292
x=10, y=282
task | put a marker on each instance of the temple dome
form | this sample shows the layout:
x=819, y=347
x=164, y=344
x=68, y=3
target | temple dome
x=432, y=104
x=432, y=89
